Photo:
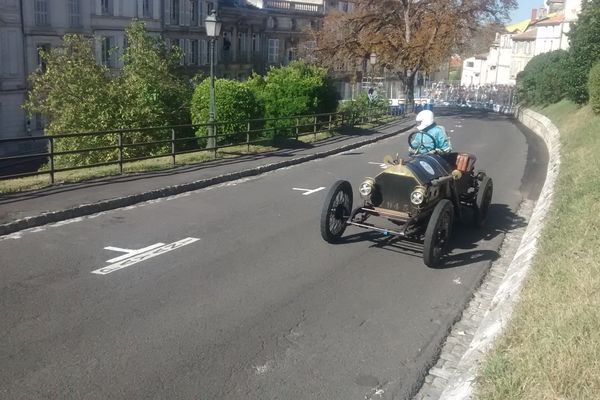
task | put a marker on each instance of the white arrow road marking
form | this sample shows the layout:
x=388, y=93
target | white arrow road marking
x=309, y=191
x=451, y=130
x=129, y=252
x=381, y=165
x=141, y=255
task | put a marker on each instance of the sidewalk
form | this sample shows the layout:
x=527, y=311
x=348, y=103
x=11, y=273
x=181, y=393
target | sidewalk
x=56, y=203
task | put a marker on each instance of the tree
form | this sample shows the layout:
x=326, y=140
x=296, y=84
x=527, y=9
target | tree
x=74, y=94
x=152, y=91
x=407, y=35
x=584, y=41
x=594, y=87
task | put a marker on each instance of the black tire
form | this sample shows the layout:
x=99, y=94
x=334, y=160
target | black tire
x=483, y=201
x=336, y=210
x=438, y=232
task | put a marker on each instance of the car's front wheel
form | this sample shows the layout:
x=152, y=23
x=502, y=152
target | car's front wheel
x=437, y=234
x=336, y=211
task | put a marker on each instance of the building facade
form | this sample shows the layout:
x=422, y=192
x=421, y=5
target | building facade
x=253, y=37
x=545, y=31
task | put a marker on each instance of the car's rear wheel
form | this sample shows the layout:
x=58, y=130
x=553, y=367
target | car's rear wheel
x=336, y=210
x=437, y=234
x=482, y=203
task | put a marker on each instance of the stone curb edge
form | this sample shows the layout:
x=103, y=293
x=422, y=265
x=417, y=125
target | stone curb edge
x=496, y=318
x=111, y=204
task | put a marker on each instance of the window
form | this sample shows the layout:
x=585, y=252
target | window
x=470, y=64
x=273, y=53
x=106, y=51
x=209, y=7
x=147, y=9
x=194, y=12
x=106, y=7
x=175, y=12
x=343, y=6
x=41, y=12
x=194, y=45
x=255, y=43
x=42, y=47
x=74, y=13
x=291, y=55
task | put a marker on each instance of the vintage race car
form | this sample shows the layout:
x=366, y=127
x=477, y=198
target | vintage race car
x=416, y=199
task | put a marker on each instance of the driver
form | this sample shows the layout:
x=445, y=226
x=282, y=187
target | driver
x=428, y=129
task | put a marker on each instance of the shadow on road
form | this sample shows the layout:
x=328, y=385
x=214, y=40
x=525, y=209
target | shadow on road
x=501, y=220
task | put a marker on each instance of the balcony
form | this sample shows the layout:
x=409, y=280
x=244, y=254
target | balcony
x=292, y=6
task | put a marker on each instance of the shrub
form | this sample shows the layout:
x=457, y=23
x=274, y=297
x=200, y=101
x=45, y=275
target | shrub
x=545, y=78
x=594, y=87
x=235, y=103
x=361, y=107
x=297, y=89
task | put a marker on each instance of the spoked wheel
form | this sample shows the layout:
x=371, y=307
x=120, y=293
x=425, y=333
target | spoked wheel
x=482, y=203
x=336, y=210
x=438, y=232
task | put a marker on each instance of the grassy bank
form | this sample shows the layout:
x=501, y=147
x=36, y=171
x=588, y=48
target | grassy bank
x=551, y=350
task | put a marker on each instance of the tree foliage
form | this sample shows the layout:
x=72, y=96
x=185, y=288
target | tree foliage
x=584, y=41
x=153, y=92
x=406, y=35
x=75, y=94
x=235, y=103
x=297, y=89
x=594, y=87
x=545, y=78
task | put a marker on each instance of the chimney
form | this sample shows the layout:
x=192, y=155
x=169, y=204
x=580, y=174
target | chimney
x=534, y=14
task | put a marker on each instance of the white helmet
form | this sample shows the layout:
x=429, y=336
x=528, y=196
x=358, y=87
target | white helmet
x=424, y=119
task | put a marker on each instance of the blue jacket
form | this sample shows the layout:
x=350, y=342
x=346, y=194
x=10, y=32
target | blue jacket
x=442, y=142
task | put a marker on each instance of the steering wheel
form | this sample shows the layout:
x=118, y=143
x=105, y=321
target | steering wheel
x=420, y=145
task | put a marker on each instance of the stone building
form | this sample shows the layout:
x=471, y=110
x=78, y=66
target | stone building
x=255, y=35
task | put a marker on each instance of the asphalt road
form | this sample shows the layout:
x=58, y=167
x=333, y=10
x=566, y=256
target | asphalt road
x=259, y=307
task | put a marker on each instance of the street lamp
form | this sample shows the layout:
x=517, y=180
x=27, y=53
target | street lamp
x=373, y=61
x=371, y=94
x=213, y=29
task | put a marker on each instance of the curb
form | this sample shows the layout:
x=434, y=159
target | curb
x=111, y=204
x=490, y=311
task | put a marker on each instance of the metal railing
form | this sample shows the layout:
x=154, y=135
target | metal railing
x=172, y=141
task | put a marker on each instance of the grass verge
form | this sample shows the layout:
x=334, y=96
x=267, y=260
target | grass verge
x=38, y=182
x=551, y=349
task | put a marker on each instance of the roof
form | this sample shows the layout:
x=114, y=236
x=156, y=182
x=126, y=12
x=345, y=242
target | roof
x=518, y=26
x=482, y=56
x=552, y=19
x=527, y=35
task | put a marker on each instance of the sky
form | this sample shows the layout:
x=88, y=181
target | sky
x=524, y=9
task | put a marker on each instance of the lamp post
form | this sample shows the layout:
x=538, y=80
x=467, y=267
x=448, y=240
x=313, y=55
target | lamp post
x=213, y=29
x=373, y=61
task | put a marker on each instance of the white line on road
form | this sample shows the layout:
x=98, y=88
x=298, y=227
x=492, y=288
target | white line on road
x=129, y=252
x=309, y=191
x=137, y=258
